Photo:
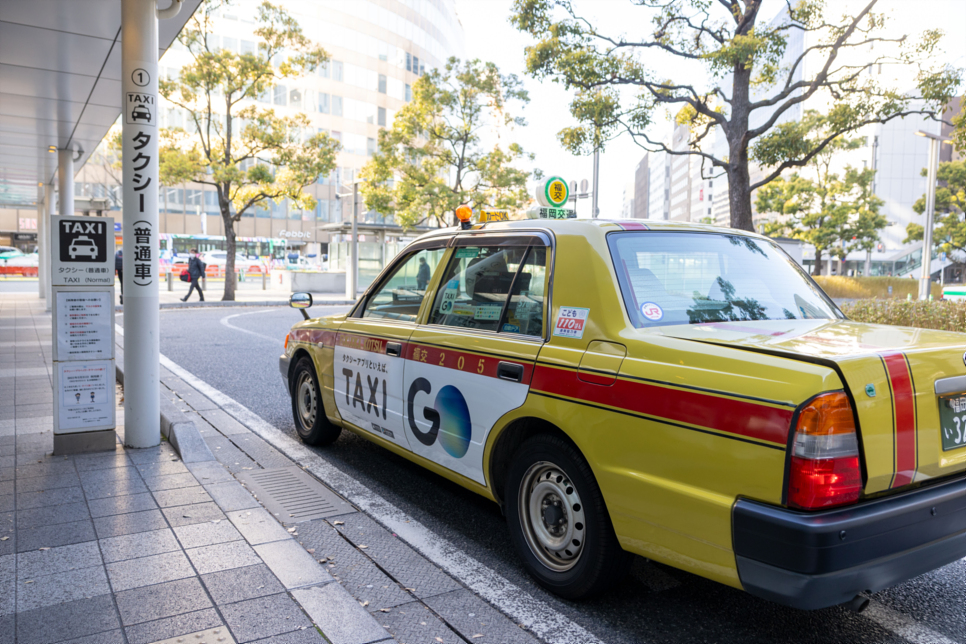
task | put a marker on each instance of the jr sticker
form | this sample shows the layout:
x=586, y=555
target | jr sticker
x=652, y=311
x=570, y=322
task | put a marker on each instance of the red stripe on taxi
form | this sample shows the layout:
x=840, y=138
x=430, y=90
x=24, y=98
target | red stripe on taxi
x=739, y=417
x=469, y=362
x=904, y=405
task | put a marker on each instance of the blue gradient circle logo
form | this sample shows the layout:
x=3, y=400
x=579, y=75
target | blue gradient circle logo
x=454, y=421
x=449, y=418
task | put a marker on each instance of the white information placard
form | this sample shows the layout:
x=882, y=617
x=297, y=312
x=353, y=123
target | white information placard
x=83, y=325
x=84, y=396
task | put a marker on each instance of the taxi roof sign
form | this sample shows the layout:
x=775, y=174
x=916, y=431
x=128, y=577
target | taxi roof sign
x=487, y=216
x=553, y=193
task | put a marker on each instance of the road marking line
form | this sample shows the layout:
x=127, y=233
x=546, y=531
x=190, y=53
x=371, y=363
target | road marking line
x=224, y=321
x=903, y=625
x=539, y=618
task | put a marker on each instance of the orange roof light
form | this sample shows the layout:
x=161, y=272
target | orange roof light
x=464, y=213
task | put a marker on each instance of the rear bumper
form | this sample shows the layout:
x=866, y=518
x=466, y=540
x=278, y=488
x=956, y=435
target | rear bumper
x=814, y=560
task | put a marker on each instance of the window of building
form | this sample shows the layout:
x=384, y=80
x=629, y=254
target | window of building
x=323, y=70
x=336, y=105
x=336, y=70
x=382, y=116
x=229, y=43
x=409, y=93
x=336, y=135
x=281, y=92
x=382, y=83
x=295, y=98
x=409, y=62
x=370, y=146
x=415, y=65
x=247, y=47
x=323, y=102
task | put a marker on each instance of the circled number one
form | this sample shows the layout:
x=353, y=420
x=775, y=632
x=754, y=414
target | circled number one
x=140, y=77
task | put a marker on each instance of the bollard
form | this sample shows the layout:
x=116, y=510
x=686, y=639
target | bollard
x=264, y=280
x=170, y=280
x=204, y=282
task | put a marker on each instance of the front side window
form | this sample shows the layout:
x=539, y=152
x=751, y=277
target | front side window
x=400, y=295
x=689, y=278
x=494, y=288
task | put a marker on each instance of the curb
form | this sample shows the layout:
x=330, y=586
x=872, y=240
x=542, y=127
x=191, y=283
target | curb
x=180, y=430
x=206, y=304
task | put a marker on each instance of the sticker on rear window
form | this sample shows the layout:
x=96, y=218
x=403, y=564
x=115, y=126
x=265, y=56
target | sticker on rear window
x=652, y=311
x=570, y=322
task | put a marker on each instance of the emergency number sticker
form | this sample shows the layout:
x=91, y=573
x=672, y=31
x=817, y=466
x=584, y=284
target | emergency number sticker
x=652, y=311
x=570, y=322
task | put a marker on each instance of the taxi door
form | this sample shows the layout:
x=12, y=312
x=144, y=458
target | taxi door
x=472, y=361
x=369, y=348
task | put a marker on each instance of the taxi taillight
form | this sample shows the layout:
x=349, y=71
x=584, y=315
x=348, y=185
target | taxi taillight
x=825, y=470
x=287, y=335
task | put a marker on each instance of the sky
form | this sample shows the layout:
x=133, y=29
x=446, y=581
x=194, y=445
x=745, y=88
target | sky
x=489, y=36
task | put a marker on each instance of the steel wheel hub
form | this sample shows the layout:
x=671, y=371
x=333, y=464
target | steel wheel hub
x=552, y=516
x=305, y=396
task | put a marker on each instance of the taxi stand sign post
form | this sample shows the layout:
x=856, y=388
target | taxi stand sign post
x=82, y=294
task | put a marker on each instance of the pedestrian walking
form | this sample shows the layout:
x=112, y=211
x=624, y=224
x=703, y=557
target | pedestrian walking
x=119, y=269
x=422, y=275
x=196, y=270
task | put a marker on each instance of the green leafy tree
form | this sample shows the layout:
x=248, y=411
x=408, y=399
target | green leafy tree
x=949, y=227
x=432, y=159
x=834, y=213
x=249, y=154
x=616, y=90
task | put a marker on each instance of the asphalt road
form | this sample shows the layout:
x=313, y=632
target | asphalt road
x=236, y=351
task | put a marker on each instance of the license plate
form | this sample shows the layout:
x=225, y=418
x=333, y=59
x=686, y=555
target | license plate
x=952, y=417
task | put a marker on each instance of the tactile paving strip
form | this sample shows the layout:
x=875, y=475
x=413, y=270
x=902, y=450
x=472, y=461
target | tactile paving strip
x=218, y=635
x=292, y=495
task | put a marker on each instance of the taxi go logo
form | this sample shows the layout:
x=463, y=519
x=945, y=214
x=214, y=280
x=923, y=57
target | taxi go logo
x=449, y=418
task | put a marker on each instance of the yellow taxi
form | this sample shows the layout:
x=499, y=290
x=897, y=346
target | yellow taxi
x=681, y=392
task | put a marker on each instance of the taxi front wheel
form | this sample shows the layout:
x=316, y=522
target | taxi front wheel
x=558, y=521
x=310, y=421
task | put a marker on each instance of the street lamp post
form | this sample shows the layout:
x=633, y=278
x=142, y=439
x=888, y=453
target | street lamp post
x=925, y=281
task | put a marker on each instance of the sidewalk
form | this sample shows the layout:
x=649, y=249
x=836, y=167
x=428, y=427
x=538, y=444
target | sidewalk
x=166, y=544
x=247, y=293
x=136, y=545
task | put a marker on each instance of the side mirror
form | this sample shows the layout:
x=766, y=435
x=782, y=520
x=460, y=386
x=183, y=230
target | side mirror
x=301, y=301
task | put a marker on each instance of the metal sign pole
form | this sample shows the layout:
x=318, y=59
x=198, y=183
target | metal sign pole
x=139, y=115
x=45, y=256
x=925, y=282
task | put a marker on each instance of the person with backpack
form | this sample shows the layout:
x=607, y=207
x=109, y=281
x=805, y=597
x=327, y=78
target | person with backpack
x=196, y=270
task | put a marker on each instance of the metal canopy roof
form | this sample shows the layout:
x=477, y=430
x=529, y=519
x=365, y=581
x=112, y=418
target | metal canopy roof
x=60, y=84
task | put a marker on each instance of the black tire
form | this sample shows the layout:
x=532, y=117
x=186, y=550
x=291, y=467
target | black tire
x=310, y=422
x=584, y=557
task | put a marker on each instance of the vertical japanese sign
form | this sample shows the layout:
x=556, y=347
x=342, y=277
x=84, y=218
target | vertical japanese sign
x=139, y=133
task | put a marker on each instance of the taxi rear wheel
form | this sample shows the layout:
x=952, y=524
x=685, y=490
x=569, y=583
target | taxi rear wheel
x=558, y=521
x=310, y=421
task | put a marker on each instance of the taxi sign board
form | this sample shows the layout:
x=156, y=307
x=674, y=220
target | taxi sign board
x=551, y=213
x=493, y=215
x=553, y=193
x=82, y=251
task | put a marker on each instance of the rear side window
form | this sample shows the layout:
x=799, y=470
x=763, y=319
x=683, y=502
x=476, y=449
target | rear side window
x=688, y=278
x=494, y=288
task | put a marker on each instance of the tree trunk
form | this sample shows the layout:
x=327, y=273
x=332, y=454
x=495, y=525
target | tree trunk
x=817, y=266
x=229, y=295
x=739, y=197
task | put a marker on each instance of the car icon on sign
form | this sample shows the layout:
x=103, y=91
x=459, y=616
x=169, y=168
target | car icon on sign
x=83, y=246
x=140, y=113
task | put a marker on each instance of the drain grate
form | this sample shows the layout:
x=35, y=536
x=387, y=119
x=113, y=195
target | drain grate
x=293, y=496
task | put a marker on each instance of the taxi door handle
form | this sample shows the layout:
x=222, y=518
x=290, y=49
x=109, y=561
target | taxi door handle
x=509, y=371
x=393, y=348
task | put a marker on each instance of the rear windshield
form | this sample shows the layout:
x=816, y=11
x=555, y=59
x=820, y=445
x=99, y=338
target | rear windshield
x=689, y=278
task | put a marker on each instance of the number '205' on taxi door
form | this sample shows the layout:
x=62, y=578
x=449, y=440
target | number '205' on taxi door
x=952, y=418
